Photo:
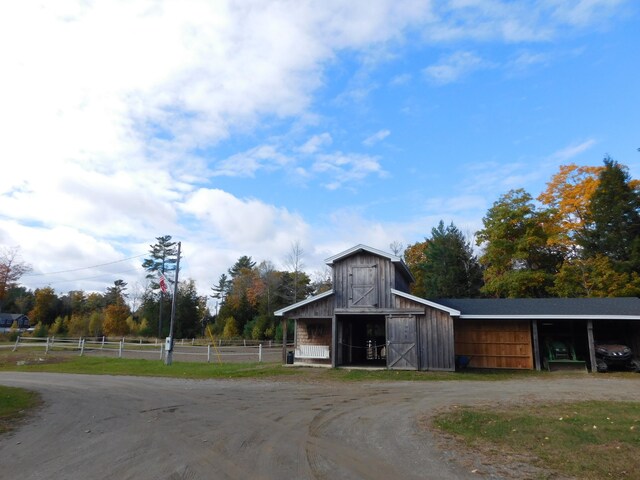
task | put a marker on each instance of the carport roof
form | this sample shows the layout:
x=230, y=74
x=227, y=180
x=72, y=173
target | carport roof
x=569, y=308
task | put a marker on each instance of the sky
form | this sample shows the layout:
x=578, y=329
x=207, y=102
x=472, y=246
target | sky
x=245, y=127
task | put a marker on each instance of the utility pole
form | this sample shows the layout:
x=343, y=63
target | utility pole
x=169, y=357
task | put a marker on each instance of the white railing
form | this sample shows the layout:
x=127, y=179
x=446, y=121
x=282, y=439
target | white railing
x=238, y=351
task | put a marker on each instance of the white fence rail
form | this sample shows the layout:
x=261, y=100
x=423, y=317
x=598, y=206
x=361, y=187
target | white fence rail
x=189, y=350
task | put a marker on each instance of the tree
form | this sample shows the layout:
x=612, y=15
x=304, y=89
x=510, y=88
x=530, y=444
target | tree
x=295, y=263
x=11, y=270
x=450, y=269
x=243, y=264
x=595, y=277
x=231, y=329
x=163, y=257
x=46, y=306
x=396, y=248
x=116, y=295
x=414, y=257
x=612, y=226
x=568, y=194
x=221, y=289
x=189, y=313
x=322, y=280
x=519, y=256
x=115, y=320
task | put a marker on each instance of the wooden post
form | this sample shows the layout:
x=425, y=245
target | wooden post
x=592, y=348
x=17, y=342
x=120, y=350
x=334, y=342
x=284, y=340
x=208, y=353
x=46, y=348
x=536, y=345
x=102, y=346
x=81, y=347
x=260, y=353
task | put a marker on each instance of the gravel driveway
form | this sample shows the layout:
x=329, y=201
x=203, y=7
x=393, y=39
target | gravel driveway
x=103, y=427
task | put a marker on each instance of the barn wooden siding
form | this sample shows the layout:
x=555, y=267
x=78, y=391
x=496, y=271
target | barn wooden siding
x=384, y=278
x=322, y=308
x=315, y=331
x=495, y=343
x=436, y=347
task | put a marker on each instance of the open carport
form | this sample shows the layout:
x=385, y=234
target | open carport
x=514, y=333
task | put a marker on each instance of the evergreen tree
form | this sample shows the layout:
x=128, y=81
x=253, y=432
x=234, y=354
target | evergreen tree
x=450, y=268
x=613, y=219
x=163, y=258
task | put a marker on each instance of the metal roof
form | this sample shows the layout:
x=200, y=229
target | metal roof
x=602, y=308
x=423, y=301
x=364, y=248
x=282, y=311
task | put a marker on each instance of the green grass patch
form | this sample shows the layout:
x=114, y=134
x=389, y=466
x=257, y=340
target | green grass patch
x=141, y=367
x=590, y=440
x=35, y=360
x=14, y=404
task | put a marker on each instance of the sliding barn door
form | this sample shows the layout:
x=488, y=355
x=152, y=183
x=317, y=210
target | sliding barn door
x=402, y=343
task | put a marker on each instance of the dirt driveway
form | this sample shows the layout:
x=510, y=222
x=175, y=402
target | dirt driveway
x=103, y=427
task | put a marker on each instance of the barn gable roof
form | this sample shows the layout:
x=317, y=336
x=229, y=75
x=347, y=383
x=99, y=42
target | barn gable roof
x=302, y=303
x=546, y=308
x=423, y=301
x=397, y=261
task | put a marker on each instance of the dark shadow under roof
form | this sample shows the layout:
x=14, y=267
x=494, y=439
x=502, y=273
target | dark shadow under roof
x=587, y=307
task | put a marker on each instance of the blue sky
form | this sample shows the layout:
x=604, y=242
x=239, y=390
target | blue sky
x=240, y=128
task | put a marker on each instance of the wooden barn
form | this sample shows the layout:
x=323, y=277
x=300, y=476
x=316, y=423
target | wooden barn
x=369, y=318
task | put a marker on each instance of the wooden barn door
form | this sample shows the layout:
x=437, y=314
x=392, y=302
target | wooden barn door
x=402, y=343
x=364, y=291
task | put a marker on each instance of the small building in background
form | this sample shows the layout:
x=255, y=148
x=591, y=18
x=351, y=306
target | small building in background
x=8, y=319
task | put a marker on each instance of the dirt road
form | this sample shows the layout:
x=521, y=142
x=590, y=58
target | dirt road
x=102, y=427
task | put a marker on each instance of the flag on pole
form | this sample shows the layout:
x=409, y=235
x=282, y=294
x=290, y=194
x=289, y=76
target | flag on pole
x=163, y=283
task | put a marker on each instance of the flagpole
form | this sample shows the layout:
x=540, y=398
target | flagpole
x=169, y=357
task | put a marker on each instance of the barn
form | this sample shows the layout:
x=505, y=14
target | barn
x=369, y=318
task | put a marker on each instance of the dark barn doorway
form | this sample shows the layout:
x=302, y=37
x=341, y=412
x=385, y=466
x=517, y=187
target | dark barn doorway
x=362, y=340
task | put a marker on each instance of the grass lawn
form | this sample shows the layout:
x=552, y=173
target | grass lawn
x=36, y=361
x=587, y=440
x=14, y=404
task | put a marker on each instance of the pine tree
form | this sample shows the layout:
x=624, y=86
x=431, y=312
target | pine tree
x=163, y=257
x=613, y=219
x=450, y=268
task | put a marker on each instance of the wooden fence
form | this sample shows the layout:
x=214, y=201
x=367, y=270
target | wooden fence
x=222, y=351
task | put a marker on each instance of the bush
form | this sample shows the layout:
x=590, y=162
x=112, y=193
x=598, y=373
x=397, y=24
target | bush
x=40, y=330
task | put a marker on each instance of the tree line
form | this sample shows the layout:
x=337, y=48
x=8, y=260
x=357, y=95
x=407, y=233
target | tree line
x=580, y=239
x=244, y=299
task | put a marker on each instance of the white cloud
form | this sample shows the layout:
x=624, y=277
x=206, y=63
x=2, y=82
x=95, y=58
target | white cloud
x=315, y=143
x=342, y=169
x=376, y=137
x=453, y=67
x=244, y=223
x=246, y=164
x=567, y=153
